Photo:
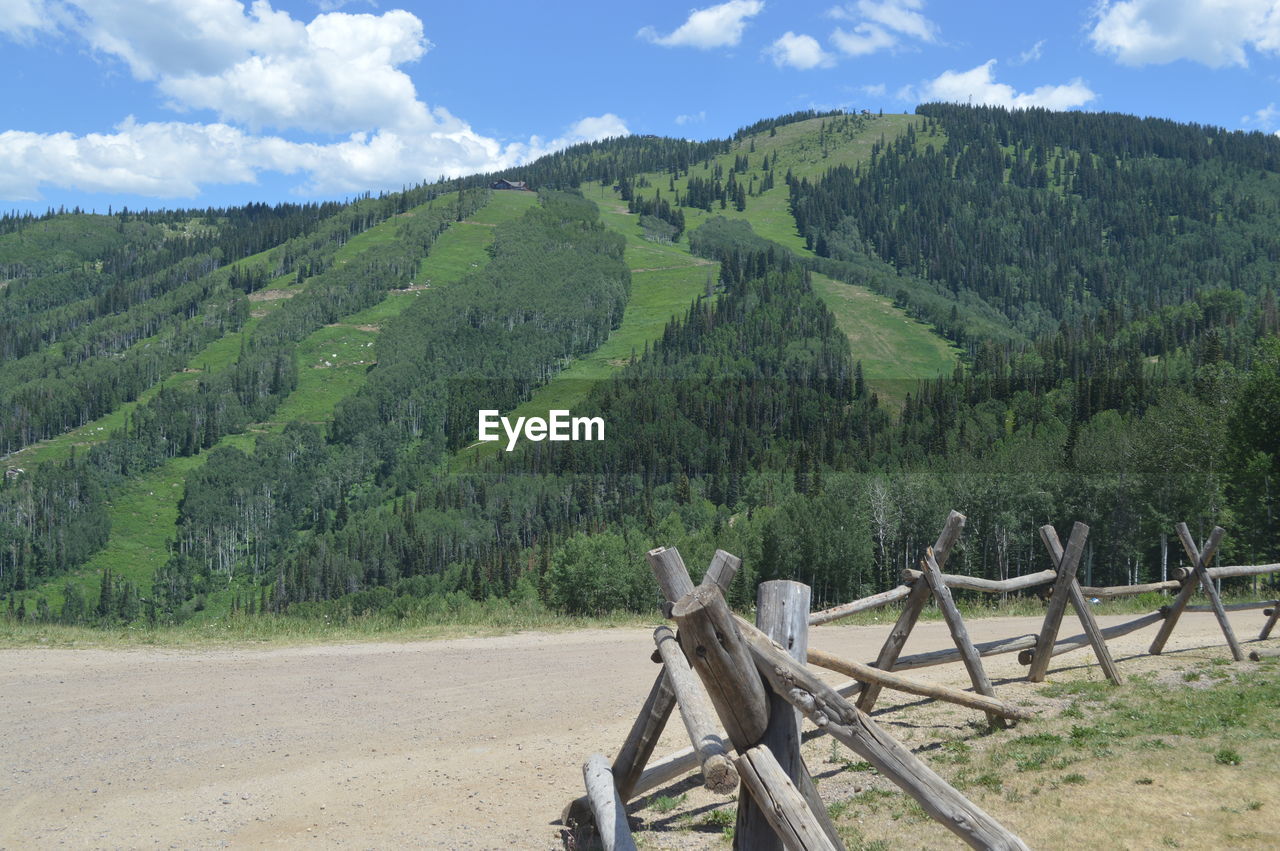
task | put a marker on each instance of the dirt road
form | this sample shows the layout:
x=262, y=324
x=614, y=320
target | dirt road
x=470, y=743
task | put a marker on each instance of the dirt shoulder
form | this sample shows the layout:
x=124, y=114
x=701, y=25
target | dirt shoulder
x=465, y=743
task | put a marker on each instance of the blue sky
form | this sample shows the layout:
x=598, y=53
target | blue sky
x=181, y=103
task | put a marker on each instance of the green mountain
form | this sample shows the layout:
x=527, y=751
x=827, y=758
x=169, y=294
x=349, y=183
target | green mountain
x=805, y=343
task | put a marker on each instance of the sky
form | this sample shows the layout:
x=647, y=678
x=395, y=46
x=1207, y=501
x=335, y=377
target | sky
x=197, y=103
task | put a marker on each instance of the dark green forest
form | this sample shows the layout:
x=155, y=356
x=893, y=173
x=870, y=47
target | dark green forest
x=1110, y=280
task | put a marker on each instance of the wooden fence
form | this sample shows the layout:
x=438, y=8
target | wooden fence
x=752, y=682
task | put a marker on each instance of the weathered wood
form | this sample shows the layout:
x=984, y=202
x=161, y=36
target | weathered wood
x=606, y=805
x=1259, y=655
x=959, y=633
x=1233, y=607
x=990, y=586
x=919, y=596
x=1067, y=564
x=721, y=571
x=637, y=748
x=662, y=771
x=1076, y=642
x=844, y=610
x=1201, y=567
x=832, y=713
x=892, y=647
x=870, y=674
x=699, y=720
x=1112, y=591
x=1231, y=571
x=1273, y=615
x=1024, y=644
x=779, y=805
x=1188, y=589
x=668, y=568
x=713, y=646
x=1090, y=624
x=782, y=609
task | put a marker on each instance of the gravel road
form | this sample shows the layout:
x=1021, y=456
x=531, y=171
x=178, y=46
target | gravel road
x=467, y=743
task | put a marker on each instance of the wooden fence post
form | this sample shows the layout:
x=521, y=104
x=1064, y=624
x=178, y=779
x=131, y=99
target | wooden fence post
x=787, y=816
x=1273, y=614
x=1058, y=602
x=911, y=610
x=782, y=613
x=955, y=623
x=1200, y=559
x=1076, y=595
x=1210, y=588
x=607, y=805
x=835, y=715
x=704, y=733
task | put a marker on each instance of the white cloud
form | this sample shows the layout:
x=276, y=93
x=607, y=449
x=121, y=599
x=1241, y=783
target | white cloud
x=175, y=159
x=881, y=24
x=799, y=51
x=1215, y=33
x=19, y=19
x=254, y=68
x=865, y=39
x=1265, y=118
x=979, y=86
x=1031, y=54
x=714, y=26
x=337, y=74
x=877, y=90
x=696, y=118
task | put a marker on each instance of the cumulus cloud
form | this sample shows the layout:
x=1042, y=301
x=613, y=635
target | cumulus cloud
x=979, y=86
x=714, y=26
x=695, y=118
x=338, y=75
x=880, y=25
x=1215, y=33
x=799, y=51
x=1264, y=118
x=175, y=159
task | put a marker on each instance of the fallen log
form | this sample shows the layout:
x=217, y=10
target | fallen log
x=848, y=724
x=871, y=674
x=1259, y=655
x=606, y=805
x=875, y=601
x=990, y=586
x=780, y=804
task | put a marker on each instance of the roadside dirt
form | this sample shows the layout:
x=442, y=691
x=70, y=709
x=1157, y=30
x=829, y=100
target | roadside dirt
x=468, y=743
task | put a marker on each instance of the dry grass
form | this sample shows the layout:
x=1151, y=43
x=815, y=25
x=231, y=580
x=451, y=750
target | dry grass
x=1182, y=755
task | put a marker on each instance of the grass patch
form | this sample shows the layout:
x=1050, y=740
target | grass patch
x=466, y=619
x=896, y=350
x=1154, y=740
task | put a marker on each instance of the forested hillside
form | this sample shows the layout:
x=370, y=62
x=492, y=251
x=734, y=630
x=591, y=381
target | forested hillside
x=1107, y=286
